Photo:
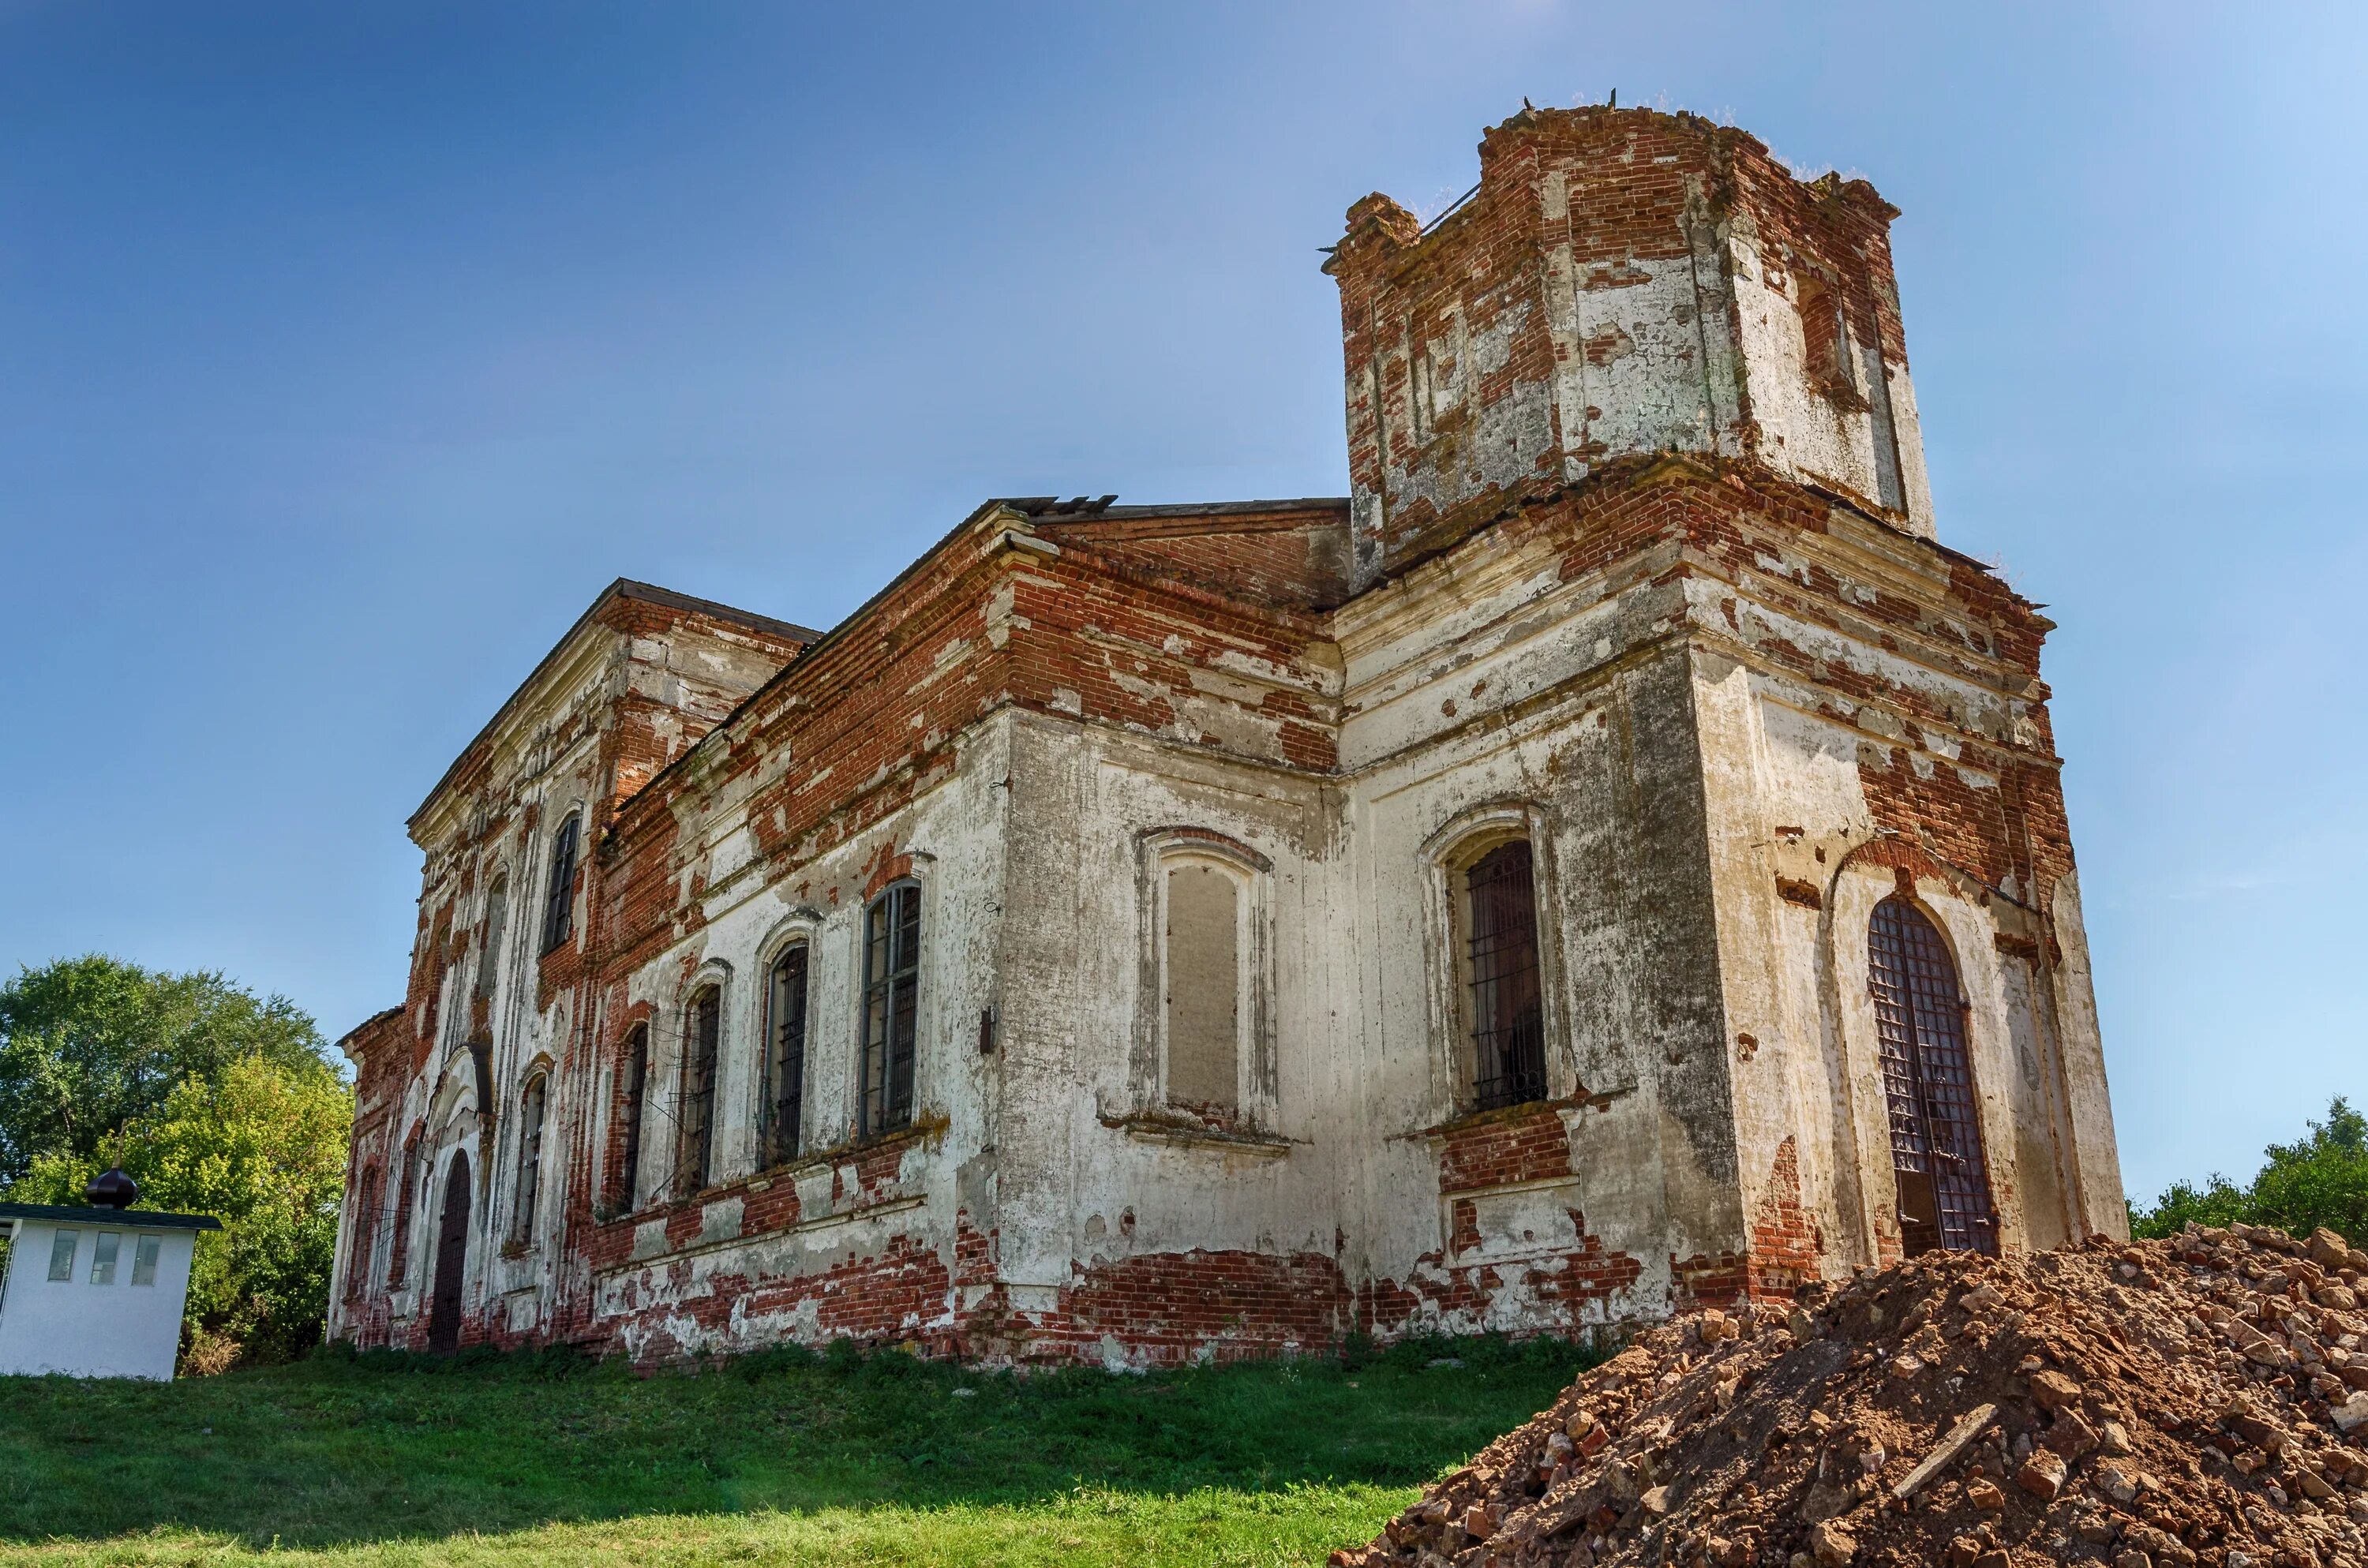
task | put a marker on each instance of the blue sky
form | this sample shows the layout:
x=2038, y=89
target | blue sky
x=346, y=351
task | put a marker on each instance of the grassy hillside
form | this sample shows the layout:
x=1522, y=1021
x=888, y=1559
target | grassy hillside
x=776, y=1459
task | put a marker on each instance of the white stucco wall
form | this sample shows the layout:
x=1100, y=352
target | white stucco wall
x=90, y=1330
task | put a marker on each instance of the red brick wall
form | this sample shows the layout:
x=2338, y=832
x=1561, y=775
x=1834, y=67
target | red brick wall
x=1522, y=1144
x=1787, y=1244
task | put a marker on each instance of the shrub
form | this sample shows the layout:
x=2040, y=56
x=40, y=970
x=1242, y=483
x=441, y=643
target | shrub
x=2320, y=1179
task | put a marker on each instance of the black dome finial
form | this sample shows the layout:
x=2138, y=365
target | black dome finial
x=111, y=1190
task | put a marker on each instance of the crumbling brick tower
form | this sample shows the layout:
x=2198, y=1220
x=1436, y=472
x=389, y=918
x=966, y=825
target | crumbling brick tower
x=1852, y=1014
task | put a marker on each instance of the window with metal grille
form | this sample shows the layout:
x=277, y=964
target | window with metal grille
x=701, y=1038
x=785, y=1060
x=366, y=1201
x=892, y=973
x=559, y=907
x=532, y=1105
x=1508, y=1010
x=632, y=1075
x=398, y=1263
x=1928, y=1080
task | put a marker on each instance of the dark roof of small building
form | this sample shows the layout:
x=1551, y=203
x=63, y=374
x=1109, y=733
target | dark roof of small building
x=127, y=1219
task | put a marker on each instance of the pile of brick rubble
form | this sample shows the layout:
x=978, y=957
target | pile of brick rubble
x=2194, y=1400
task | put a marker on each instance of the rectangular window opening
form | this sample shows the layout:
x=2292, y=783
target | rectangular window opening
x=636, y=1068
x=786, y=1067
x=1508, y=1006
x=62, y=1255
x=102, y=1257
x=143, y=1259
x=698, y=1090
x=1201, y=1005
x=892, y=965
x=530, y=1116
x=559, y=910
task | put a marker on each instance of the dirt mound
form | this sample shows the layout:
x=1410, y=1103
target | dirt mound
x=2199, y=1399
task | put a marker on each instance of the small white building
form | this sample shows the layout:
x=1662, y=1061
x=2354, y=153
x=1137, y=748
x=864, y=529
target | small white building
x=94, y=1292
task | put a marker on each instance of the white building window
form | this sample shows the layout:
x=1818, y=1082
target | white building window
x=62, y=1256
x=102, y=1257
x=143, y=1260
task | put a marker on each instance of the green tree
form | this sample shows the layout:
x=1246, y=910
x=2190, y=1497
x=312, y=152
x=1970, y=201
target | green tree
x=262, y=1147
x=2321, y=1179
x=88, y=1044
x=222, y=1102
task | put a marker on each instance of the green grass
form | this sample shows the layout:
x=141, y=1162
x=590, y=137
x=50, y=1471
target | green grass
x=781, y=1459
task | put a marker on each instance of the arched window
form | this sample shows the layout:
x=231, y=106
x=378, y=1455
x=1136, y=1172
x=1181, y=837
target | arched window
x=1200, y=985
x=532, y=1104
x=892, y=974
x=559, y=905
x=632, y=1075
x=489, y=962
x=1504, y=1009
x=784, y=1103
x=398, y=1263
x=702, y=1037
x=364, y=1252
x=1928, y=1082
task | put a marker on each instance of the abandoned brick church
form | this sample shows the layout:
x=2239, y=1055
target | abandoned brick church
x=1614, y=857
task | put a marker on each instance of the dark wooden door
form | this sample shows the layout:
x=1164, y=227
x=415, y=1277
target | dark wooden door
x=451, y=1261
x=1928, y=1079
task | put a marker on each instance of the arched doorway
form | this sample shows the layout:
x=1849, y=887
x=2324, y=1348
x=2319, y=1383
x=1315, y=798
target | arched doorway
x=451, y=1261
x=1928, y=1081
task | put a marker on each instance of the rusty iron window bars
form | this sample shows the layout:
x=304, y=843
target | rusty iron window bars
x=1928, y=1080
x=785, y=1064
x=698, y=1119
x=398, y=1263
x=559, y=909
x=635, y=1071
x=1507, y=1019
x=892, y=970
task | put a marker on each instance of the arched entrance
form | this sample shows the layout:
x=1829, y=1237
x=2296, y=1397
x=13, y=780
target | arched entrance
x=451, y=1261
x=1928, y=1081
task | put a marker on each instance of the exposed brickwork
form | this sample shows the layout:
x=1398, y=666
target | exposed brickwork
x=1788, y=1245
x=1523, y=1143
x=1175, y=1307
x=1578, y=1288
